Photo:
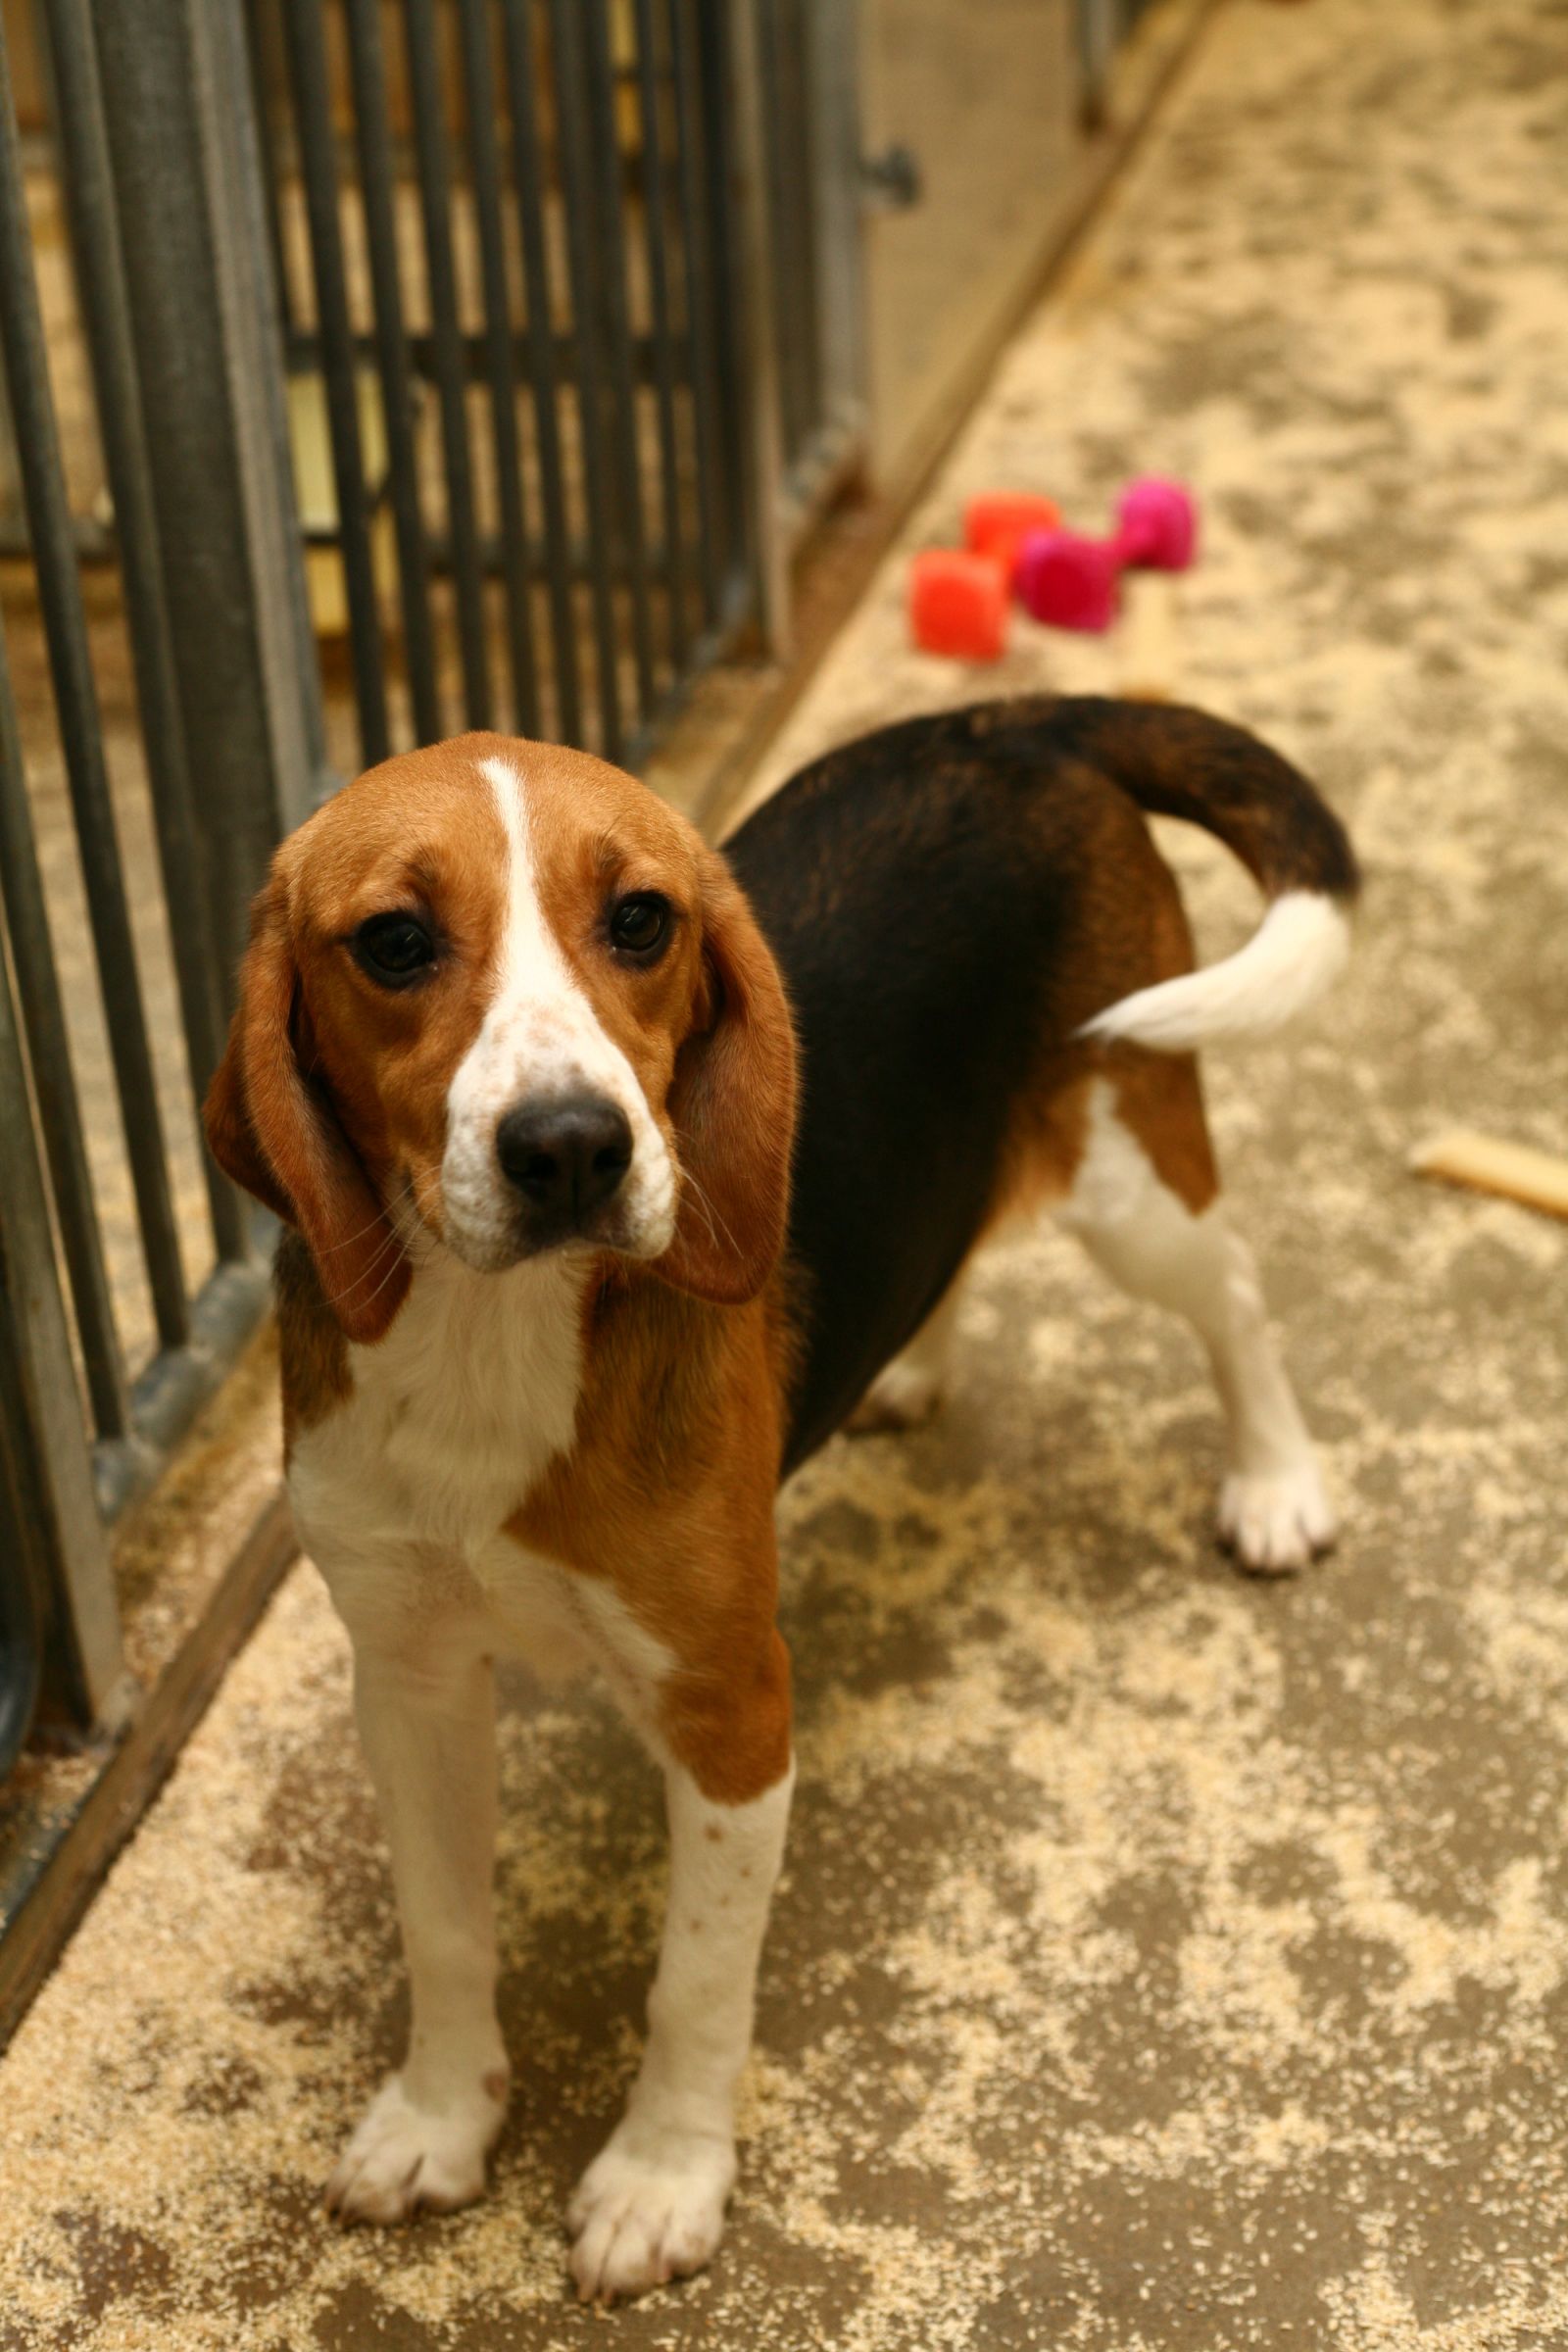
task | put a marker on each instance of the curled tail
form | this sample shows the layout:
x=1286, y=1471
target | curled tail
x=1180, y=763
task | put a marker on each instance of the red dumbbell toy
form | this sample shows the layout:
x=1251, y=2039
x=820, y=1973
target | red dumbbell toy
x=959, y=603
x=1071, y=582
x=997, y=523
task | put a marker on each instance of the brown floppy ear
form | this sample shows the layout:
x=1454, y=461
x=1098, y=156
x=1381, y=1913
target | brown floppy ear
x=276, y=1133
x=733, y=1106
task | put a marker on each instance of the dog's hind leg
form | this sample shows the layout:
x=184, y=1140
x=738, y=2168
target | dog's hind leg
x=1144, y=1203
x=909, y=1390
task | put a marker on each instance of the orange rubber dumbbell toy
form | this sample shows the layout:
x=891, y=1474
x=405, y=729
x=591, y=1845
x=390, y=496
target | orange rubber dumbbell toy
x=959, y=603
x=997, y=523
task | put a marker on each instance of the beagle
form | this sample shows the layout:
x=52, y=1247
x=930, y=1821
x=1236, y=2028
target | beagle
x=565, y=1287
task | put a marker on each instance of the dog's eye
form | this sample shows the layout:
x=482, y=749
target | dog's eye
x=639, y=925
x=393, y=948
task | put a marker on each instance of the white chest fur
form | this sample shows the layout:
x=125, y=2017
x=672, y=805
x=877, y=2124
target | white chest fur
x=455, y=1414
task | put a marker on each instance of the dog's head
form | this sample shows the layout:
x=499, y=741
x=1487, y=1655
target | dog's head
x=500, y=994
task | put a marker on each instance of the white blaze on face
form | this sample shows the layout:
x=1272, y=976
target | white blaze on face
x=540, y=1042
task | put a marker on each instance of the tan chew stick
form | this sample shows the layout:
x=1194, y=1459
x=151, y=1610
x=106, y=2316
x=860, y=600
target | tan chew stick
x=1148, y=641
x=1539, y=1179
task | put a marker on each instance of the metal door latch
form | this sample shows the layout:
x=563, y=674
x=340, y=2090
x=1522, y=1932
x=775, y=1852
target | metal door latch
x=891, y=182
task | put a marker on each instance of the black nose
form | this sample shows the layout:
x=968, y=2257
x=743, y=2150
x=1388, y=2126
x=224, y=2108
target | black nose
x=566, y=1156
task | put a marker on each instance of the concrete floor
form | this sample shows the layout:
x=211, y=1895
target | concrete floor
x=1164, y=1960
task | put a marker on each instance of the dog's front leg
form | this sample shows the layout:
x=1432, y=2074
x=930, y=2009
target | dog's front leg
x=651, y=2206
x=426, y=1707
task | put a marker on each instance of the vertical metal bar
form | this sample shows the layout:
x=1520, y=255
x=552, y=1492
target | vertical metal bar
x=806, y=319
x=59, y=1109
x=246, y=284
x=23, y=1579
x=788, y=188
x=378, y=190
x=260, y=63
x=1097, y=39
x=484, y=157
x=313, y=100
x=833, y=67
x=208, y=354
x=518, y=18
x=65, y=630
x=610, y=240
x=655, y=216
x=255, y=327
x=576, y=197
x=776, y=193
x=699, y=288
x=95, y=241
x=446, y=336
x=747, y=361
x=39, y=1346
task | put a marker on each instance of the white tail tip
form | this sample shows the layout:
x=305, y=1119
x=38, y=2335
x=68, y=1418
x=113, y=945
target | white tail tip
x=1300, y=947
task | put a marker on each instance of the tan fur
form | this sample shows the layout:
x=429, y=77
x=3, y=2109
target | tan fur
x=313, y=1350
x=1160, y=1098
x=668, y=1496
x=1133, y=932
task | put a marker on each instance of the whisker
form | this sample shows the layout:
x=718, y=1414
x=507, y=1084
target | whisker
x=699, y=1203
x=350, y=1239
x=402, y=1197
x=397, y=1259
x=716, y=1228
x=391, y=1244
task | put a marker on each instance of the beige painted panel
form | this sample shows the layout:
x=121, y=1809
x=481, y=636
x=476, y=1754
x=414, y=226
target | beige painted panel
x=984, y=92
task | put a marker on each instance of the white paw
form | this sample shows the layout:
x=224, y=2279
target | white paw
x=649, y=2208
x=1276, y=1521
x=405, y=2158
x=901, y=1397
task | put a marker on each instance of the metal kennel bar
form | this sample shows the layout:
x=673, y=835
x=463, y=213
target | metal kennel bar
x=784, y=34
x=378, y=195
x=203, y=304
x=587, y=365
x=450, y=349
x=1101, y=24
x=478, y=58
x=57, y=1602
x=559, y=350
x=66, y=632
x=653, y=75
x=544, y=373
x=58, y=1109
x=623, y=433
x=88, y=184
x=307, y=45
x=112, y=1331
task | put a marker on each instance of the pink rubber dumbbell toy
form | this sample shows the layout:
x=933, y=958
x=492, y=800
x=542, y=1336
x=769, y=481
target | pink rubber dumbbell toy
x=1071, y=582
